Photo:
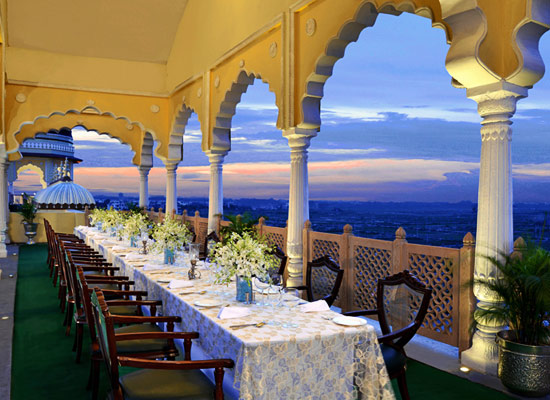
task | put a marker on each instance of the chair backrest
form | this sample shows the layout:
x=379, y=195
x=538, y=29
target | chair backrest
x=69, y=270
x=281, y=256
x=209, y=242
x=323, y=279
x=402, y=300
x=106, y=334
x=84, y=293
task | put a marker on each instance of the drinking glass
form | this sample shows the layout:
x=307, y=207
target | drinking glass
x=290, y=297
x=262, y=287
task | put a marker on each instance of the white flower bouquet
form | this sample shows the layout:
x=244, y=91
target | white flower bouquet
x=136, y=223
x=170, y=234
x=242, y=256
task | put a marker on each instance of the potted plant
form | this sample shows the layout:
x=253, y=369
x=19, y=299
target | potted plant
x=28, y=212
x=523, y=288
x=239, y=224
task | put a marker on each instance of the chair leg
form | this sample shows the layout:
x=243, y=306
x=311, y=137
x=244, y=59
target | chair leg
x=402, y=383
x=94, y=378
x=69, y=319
x=55, y=272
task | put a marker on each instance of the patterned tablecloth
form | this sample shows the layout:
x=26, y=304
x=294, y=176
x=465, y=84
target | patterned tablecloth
x=317, y=360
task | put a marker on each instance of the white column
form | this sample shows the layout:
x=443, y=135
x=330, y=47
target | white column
x=171, y=188
x=215, y=197
x=144, y=186
x=495, y=215
x=298, y=203
x=3, y=202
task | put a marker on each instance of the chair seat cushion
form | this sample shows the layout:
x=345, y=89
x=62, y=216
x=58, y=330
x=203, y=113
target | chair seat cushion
x=149, y=384
x=141, y=346
x=123, y=310
x=395, y=360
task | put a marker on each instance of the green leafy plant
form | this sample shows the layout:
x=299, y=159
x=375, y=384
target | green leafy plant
x=28, y=209
x=523, y=290
x=239, y=224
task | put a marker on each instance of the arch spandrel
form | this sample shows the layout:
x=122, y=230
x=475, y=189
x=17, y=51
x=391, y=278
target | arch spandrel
x=261, y=59
x=28, y=105
x=322, y=31
x=183, y=103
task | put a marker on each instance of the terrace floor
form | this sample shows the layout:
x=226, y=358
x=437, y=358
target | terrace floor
x=44, y=366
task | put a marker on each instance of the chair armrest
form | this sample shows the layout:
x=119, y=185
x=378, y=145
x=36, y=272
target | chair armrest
x=123, y=292
x=301, y=287
x=91, y=263
x=156, y=364
x=359, y=313
x=404, y=335
x=98, y=268
x=109, y=281
x=133, y=302
x=131, y=319
x=156, y=335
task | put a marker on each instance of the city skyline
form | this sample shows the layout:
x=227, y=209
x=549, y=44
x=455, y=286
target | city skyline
x=393, y=129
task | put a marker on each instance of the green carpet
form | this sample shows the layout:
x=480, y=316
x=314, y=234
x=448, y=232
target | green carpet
x=44, y=367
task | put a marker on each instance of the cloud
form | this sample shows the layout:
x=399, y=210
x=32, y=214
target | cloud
x=347, y=151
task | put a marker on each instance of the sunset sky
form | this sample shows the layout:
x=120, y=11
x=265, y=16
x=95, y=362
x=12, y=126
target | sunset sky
x=393, y=129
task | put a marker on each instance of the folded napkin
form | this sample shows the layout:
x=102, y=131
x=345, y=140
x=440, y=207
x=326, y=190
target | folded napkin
x=319, y=305
x=135, y=257
x=233, y=312
x=118, y=249
x=153, y=267
x=107, y=243
x=179, y=283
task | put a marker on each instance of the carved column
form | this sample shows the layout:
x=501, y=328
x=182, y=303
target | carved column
x=215, y=197
x=496, y=105
x=298, y=203
x=144, y=186
x=171, y=188
x=3, y=202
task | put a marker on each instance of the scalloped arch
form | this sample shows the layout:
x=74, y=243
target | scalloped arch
x=175, y=141
x=75, y=117
x=349, y=32
x=32, y=167
x=221, y=131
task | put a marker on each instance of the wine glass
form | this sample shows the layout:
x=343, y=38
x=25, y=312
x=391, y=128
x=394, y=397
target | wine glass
x=262, y=287
x=290, y=297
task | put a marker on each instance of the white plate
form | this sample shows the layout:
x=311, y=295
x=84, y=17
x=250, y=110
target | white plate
x=164, y=280
x=349, y=321
x=208, y=303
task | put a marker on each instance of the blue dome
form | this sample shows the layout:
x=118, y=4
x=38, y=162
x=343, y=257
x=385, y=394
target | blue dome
x=64, y=194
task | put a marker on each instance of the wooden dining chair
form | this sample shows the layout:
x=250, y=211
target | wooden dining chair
x=165, y=380
x=402, y=303
x=127, y=307
x=323, y=280
x=281, y=256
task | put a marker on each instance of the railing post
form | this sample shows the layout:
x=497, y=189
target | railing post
x=86, y=216
x=260, y=227
x=466, y=300
x=184, y=216
x=161, y=216
x=399, y=255
x=197, y=224
x=306, y=249
x=347, y=264
x=519, y=247
x=151, y=214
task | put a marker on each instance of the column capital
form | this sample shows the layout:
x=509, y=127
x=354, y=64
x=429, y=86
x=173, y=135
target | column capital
x=171, y=167
x=215, y=156
x=144, y=170
x=497, y=98
x=299, y=139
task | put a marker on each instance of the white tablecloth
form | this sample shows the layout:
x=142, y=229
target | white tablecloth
x=317, y=360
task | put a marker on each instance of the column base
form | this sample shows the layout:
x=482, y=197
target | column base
x=483, y=355
x=295, y=276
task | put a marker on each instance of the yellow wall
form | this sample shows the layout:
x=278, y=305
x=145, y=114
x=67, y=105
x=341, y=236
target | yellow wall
x=62, y=221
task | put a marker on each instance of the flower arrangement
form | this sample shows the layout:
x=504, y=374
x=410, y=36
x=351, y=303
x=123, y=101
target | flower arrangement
x=112, y=219
x=97, y=215
x=135, y=223
x=244, y=256
x=170, y=234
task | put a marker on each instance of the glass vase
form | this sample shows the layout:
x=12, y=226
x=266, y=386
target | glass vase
x=169, y=257
x=244, y=287
x=133, y=241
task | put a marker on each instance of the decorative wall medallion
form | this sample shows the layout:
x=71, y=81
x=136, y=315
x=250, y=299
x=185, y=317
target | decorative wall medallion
x=154, y=108
x=129, y=127
x=241, y=63
x=217, y=81
x=311, y=26
x=90, y=102
x=183, y=99
x=80, y=122
x=199, y=92
x=273, y=49
x=20, y=98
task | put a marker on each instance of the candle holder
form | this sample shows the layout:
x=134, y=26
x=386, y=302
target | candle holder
x=193, y=272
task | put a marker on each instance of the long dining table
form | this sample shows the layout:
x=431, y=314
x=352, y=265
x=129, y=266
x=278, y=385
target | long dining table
x=314, y=358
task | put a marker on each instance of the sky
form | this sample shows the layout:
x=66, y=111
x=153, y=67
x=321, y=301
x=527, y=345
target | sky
x=393, y=129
